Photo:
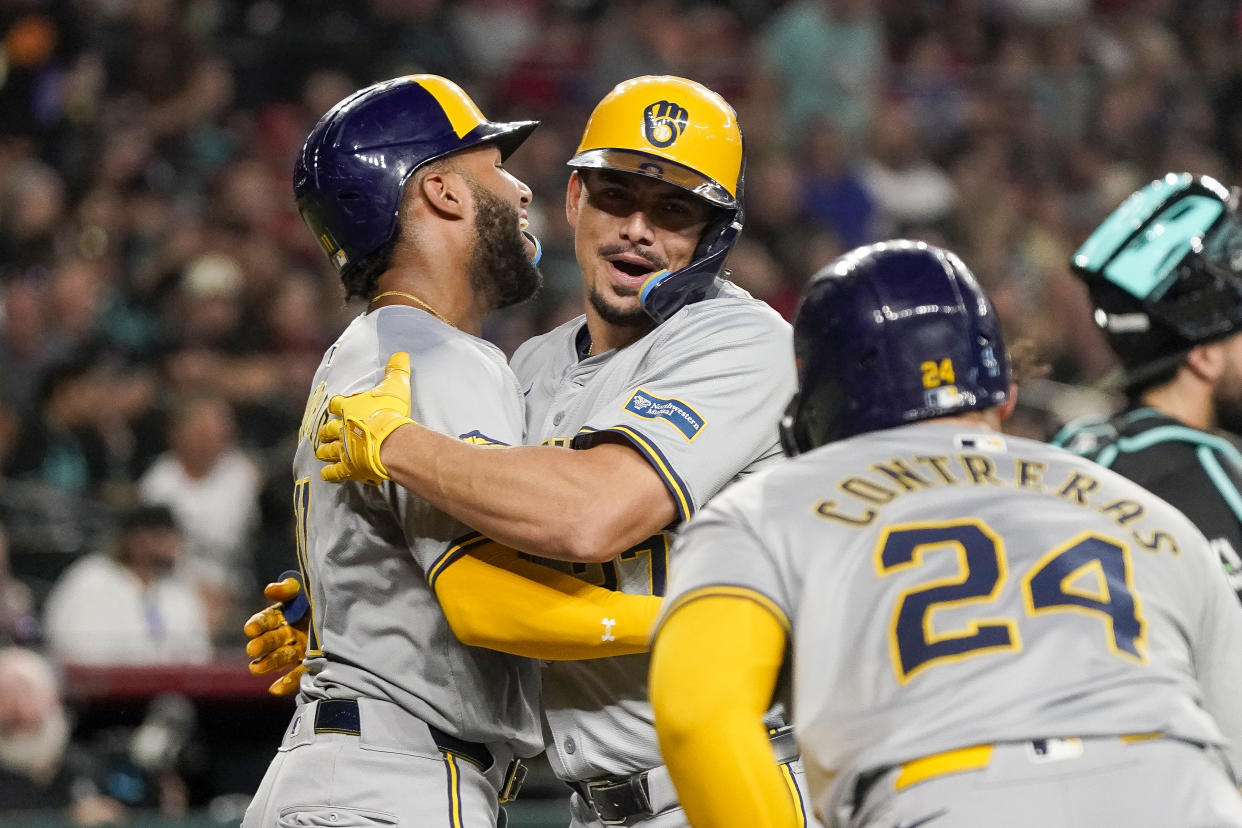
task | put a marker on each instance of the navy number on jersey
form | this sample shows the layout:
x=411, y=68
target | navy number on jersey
x=1089, y=575
x=643, y=566
x=979, y=577
x=301, y=511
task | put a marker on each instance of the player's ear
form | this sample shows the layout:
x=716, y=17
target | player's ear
x=1005, y=410
x=573, y=198
x=445, y=192
x=1207, y=362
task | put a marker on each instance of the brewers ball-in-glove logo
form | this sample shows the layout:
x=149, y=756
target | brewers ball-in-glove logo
x=664, y=122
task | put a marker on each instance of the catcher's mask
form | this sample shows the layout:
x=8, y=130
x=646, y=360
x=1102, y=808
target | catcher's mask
x=1164, y=272
x=890, y=334
x=353, y=166
x=679, y=131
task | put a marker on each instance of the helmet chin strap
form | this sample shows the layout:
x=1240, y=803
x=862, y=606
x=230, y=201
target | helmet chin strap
x=666, y=292
x=533, y=239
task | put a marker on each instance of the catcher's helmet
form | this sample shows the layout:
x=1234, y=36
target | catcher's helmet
x=889, y=334
x=350, y=173
x=678, y=131
x=1164, y=271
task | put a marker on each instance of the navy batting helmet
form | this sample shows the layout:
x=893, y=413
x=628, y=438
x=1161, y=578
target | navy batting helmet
x=350, y=173
x=1164, y=271
x=889, y=334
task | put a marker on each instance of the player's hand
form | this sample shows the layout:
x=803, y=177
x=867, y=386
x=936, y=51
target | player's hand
x=275, y=642
x=351, y=444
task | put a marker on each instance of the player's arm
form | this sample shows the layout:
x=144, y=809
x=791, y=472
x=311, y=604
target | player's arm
x=714, y=668
x=492, y=598
x=588, y=505
x=554, y=502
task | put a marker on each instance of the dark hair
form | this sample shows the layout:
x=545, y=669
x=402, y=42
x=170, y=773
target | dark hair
x=148, y=516
x=64, y=373
x=362, y=277
x=1158, y=373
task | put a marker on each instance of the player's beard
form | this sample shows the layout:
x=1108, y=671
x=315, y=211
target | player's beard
x=623, y=317
x=499, y=267
x=1227, y=398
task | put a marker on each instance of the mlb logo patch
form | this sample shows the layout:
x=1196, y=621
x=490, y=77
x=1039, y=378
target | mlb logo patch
x=681, y=416
x=981, y=442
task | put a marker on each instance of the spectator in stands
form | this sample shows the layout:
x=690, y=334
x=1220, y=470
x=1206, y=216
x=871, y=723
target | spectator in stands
x=58, y=444
x=17, y=621
x=128, y=606
x=38, y=767
x=208, y=483
x=826, y=60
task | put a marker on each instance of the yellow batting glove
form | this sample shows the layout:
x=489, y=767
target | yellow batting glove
x=274, y=642
x=351, y=444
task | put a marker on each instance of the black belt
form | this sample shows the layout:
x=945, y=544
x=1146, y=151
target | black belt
x=341, y=716
x=617, y=799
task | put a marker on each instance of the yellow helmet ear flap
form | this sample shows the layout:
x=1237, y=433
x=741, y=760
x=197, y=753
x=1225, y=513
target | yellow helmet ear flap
x=668, y=128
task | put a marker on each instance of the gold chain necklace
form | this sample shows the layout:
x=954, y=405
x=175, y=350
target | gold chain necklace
x=415, y=300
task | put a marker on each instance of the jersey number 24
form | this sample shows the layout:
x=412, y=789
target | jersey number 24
x=1089, y=574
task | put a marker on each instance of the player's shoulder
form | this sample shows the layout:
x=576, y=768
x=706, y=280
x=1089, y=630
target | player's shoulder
x=1145, y=432
x=556, y=340
x=732, y=315
x=731, y=302
x=432, y=345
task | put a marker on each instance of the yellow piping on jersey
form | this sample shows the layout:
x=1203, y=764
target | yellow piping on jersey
x=1131, y=738
x=787, y=773
x=454, y=784
x=731, y=592
x=450, y=554
x=684, y=505
x=301, y=514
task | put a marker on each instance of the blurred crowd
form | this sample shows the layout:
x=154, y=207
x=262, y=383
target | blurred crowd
x=162, y=307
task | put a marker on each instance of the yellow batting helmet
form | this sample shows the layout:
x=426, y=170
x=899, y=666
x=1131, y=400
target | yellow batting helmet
x=681, y=132
x=668, y=128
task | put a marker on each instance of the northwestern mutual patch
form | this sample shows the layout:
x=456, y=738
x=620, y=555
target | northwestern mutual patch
x=682, y=417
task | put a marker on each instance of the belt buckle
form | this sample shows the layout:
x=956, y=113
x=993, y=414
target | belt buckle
x=515, y=775
x=614, y=812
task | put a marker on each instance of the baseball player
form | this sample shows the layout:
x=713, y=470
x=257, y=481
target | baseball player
x=413, y=706
x=1165, y=275
x=985, y=630
x=642, y=409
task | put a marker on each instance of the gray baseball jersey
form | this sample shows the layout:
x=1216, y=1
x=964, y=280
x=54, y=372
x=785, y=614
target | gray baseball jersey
x=949, y=587
x=377, y=630
x=699, y=398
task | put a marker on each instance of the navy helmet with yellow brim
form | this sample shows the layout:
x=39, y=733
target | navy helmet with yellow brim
x=890, y=334
x=350, y=173
x=679, y=131
x=1164, y=272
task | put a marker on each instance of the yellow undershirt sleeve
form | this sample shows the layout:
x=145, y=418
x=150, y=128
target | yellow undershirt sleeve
x=494, y=599
x=714, y=668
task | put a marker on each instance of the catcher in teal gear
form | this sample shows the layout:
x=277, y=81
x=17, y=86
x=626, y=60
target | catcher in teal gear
x=1164, y=272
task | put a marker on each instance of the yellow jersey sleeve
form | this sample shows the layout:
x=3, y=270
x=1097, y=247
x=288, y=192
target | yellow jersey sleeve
x=495, y=599
x=714, y=668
